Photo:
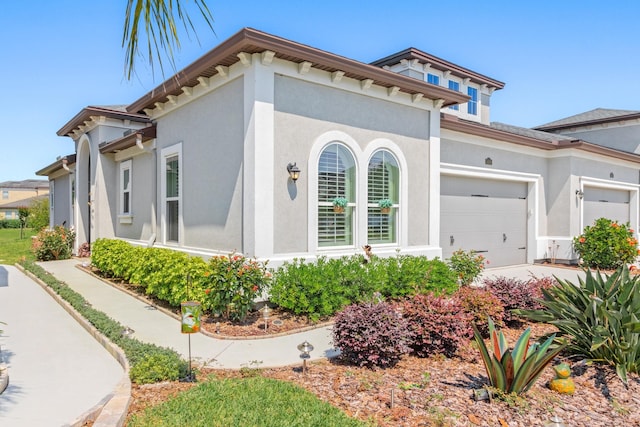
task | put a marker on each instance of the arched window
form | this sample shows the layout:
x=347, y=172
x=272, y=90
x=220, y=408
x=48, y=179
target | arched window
x=336, y=179
x=383, y=184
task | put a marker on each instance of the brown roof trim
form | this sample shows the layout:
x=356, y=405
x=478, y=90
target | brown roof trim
x=129, y=140
x=439, y=64
x=86, y=113
x=454, y=123
x=621, y=118
x=57, y=165
x=450, y=122
x=252, y=41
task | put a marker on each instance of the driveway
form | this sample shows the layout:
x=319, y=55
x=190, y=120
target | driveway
x=57, y=371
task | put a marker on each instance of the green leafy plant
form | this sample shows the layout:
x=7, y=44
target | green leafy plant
x=232, y=283
x=53, y=244
x=606, y=245
x=600, y=316
x=385, y=203
x=514, y=371
x=340, y=202
x=467, y=264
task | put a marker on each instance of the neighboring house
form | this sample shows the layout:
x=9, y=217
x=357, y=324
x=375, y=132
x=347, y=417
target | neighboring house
x=201, y=163
x=16, y=194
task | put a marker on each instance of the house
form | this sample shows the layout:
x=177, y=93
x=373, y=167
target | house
x=16, y=194
x=205, y=162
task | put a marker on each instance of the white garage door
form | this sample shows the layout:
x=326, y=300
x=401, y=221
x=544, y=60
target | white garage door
x=487, y=216
x=605, y=203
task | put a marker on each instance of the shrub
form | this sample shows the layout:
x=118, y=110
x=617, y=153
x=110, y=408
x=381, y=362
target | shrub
x=516, y=294
x=407, y=275
x=438, y=324
x=156, y=367
x=481, y=304
x=39, y=215
x=600, y=315
x=9, y=223
x=467, y=265
x=514, y=371
x=371, y=334
x=53, y=244
x=606, y=245
x=232, y=283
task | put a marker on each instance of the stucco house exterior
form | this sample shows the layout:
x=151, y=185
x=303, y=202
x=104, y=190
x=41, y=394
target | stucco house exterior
x=201, y=163
x=16, y=194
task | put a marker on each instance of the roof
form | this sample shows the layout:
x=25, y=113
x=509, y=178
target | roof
x=250, y=41
x=129, y=140
x=85, y=115
x=596, y=116
x=24, y=202
x=27, y=184
x=57, y=165
x=439, y=64
x=531, y=138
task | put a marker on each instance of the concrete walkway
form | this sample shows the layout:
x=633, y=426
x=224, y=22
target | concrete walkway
x=57, y=371
x=154, y=326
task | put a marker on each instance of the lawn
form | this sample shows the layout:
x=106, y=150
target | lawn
x=12, y=247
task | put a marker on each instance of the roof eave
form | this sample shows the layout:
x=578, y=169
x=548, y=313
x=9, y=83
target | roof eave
x=128, y=141
x=86, y=113
x=622, y=118
x=256, y=40
x=57, y=165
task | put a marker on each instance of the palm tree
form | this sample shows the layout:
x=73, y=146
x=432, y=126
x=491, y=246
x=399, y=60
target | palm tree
x=158, y=19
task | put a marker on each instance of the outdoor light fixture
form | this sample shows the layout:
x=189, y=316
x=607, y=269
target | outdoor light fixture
x=488, y=161
x=555, y=421
x=305, y=348
x=294, y=171
x=579, y=194
x=265, y=315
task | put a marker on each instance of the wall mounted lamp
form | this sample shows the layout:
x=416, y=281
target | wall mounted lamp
x=579, y=194
x=294, y=171
x=488, y=161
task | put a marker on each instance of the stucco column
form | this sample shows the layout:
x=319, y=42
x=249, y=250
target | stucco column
x=434, y=177
x=258, y=210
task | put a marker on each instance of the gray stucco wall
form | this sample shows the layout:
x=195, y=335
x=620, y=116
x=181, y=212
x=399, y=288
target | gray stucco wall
x=303, y=112
x=143, y=192
x=626, y=138
x=211, y=130
x=62, y=200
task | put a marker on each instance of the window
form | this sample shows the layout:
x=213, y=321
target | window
x=125, y=188
x=382, y=183
x=472, y=105
x=172, y=192
x=336, y=178
x=453, y=85
x=5, y=194
x=433, y=79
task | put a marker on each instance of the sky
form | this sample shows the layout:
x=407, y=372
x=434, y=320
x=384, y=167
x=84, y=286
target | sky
x=557, y=58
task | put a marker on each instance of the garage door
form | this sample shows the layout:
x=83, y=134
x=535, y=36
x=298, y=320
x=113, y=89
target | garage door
x=605, y=203
x=487, y=216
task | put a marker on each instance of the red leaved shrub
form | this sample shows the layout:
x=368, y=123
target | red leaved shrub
x=481, y=304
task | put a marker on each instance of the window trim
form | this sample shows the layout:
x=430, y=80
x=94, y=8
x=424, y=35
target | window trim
x=396, y=211
x=125, y=217
x=167, y=152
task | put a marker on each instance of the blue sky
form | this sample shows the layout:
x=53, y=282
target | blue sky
x=557, y=58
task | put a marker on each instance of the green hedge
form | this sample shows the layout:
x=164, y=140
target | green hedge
x=322, y=288
x=9, y=223
x=148, y=362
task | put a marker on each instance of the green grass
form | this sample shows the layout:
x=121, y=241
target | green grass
x=12, y=247
x=258, y=402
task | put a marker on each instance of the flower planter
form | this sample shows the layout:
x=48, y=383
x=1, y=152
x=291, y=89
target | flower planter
x=385, y=210
x=338, y=209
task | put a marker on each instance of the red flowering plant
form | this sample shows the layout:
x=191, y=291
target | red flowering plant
x=606, y=245
x=53, y=244
x=231, y=285
x=467, y=264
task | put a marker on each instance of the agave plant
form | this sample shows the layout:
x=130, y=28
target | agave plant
x=600, y=316
x=514, y=371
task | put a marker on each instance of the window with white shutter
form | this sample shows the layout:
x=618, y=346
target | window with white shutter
x=336, y=178
x=383, y=185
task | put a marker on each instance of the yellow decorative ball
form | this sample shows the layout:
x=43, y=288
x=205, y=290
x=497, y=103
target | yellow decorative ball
x=563, y=385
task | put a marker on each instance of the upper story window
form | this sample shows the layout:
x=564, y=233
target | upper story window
x=383, y=183
x=433, y=79
x=125, y=188
x=336, y=178
x=454, y=85
x=5, y=194
x=472, y=105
